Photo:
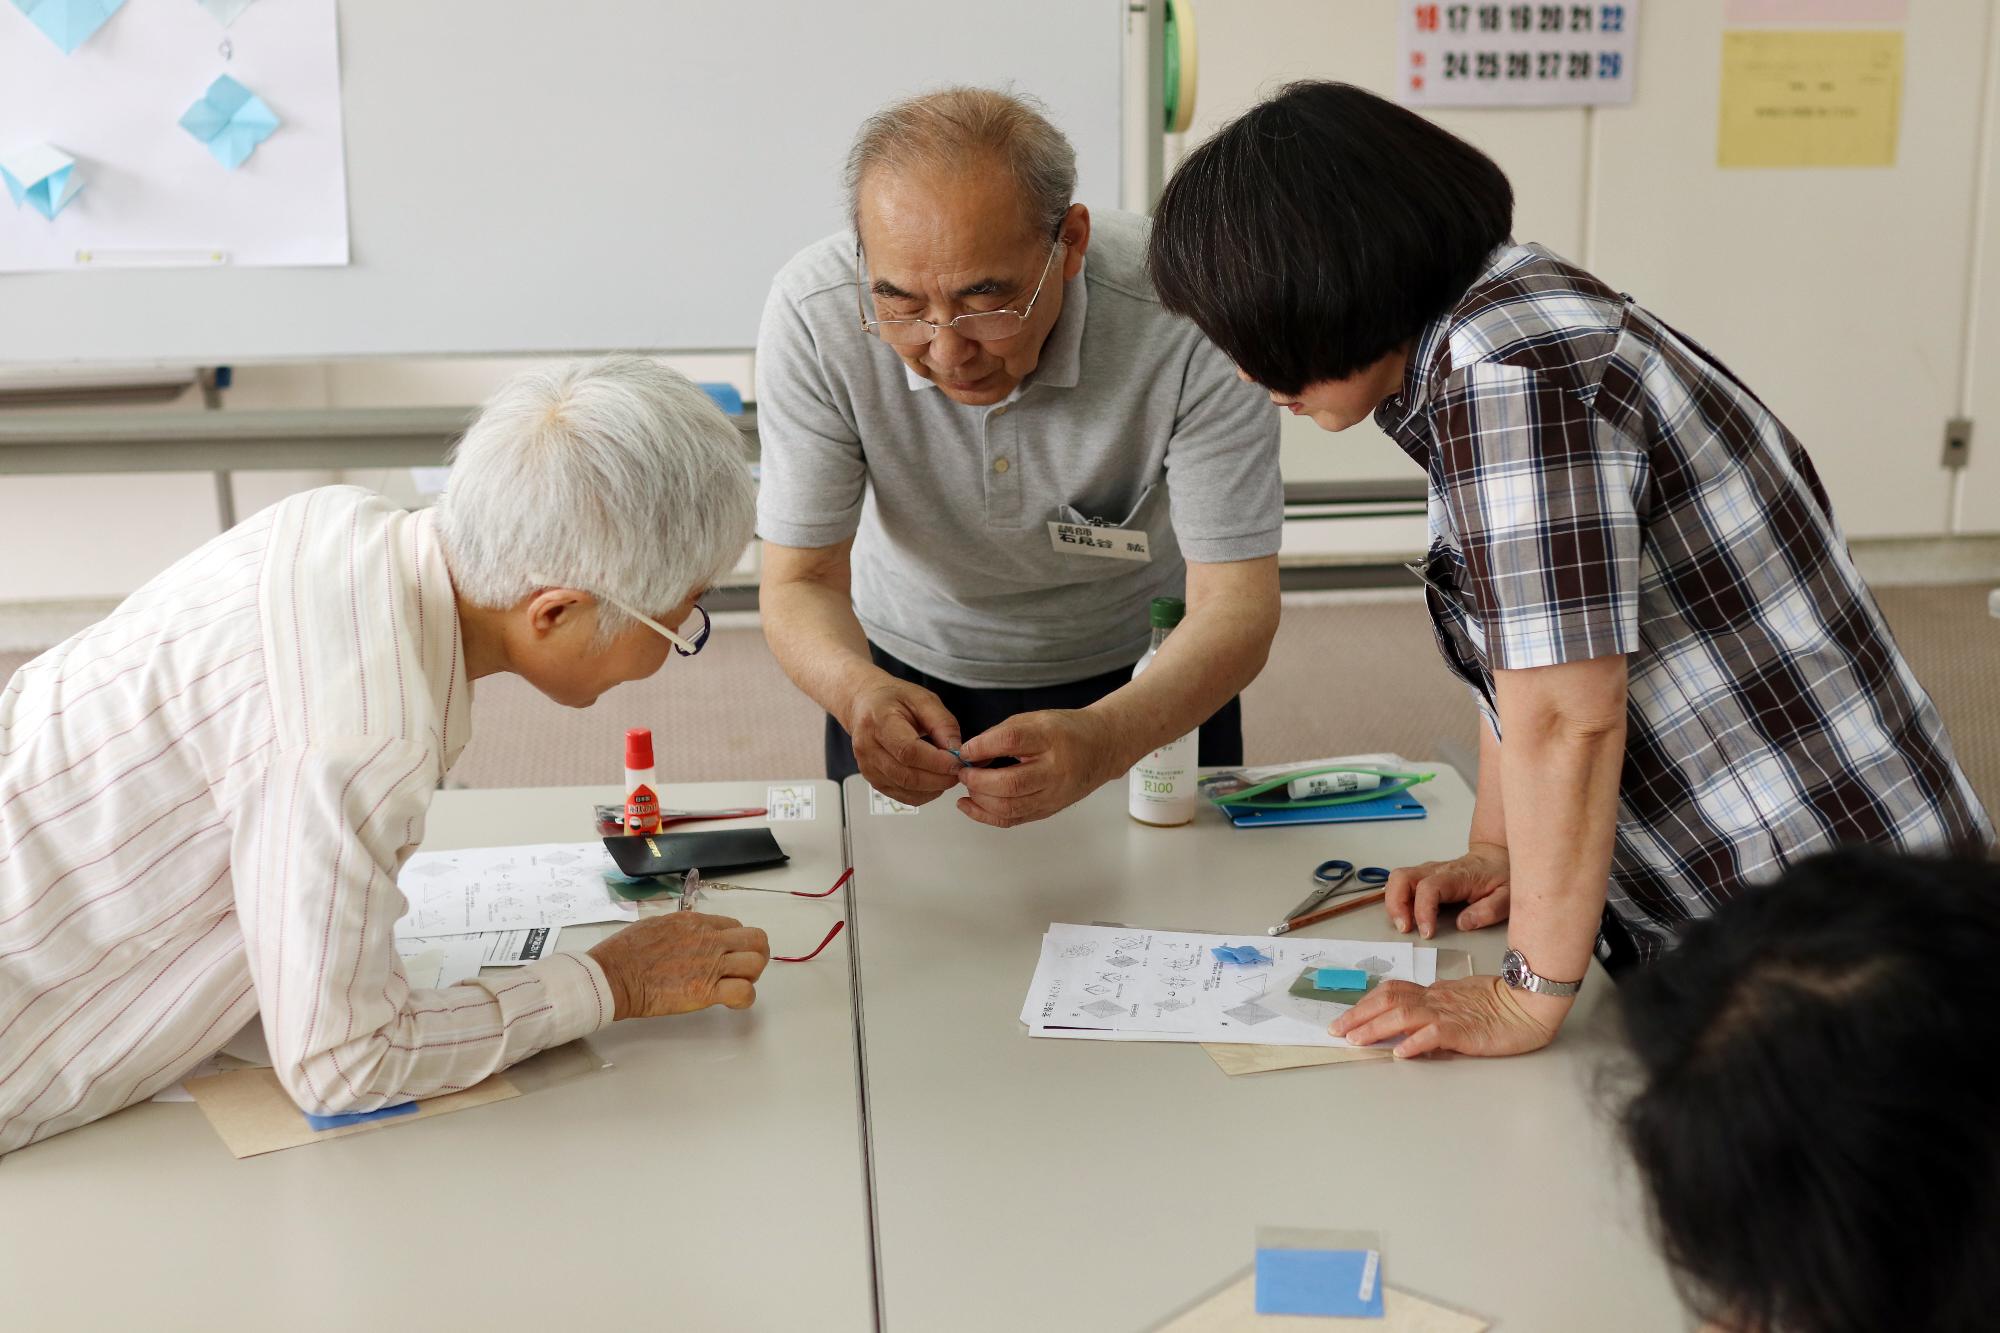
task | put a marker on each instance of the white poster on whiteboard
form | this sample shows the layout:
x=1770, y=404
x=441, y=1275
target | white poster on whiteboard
x=1541, y=54
x=148, y=189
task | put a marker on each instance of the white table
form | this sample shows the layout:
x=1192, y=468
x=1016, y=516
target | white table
x=1050, y=1185
x=711, y=1179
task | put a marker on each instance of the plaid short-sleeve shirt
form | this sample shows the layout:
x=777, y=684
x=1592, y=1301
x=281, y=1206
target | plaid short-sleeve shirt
x=1600, y=484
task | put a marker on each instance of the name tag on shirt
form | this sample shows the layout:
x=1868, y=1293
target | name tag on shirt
x=1105, y=543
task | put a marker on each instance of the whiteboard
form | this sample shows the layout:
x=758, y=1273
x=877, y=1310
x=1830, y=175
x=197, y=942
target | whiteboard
x=153, y=193
x=585, y=175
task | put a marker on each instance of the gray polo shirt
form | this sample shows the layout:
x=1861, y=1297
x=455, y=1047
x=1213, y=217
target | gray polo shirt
x=1131, y=418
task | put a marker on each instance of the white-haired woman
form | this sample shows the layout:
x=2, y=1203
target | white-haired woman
x=204, y=798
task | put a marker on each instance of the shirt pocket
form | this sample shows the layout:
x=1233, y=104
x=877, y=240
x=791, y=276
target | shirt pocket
x=1149, y=514
x=1141, y=515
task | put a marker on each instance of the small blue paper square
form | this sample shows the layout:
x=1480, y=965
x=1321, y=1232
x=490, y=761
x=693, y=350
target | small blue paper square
x=231, y=120
x=1320, y=1282
x=1339, y=978
x=358, y=1117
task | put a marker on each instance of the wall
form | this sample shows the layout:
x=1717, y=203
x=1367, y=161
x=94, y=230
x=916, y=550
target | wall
x=1841, y=295
x=1854, y=301
x=1979, y=501
x=92, y=538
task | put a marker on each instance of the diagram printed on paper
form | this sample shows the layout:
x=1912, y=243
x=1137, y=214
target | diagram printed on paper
x=878, y=804
x=484, y=889
x=796, y=802
x=1167, y=984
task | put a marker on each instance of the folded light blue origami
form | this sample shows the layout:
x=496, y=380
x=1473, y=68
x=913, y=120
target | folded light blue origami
x=225, y=12
x=43, y=177
x=69, y=23
x=1241, y=953
x=231, y=120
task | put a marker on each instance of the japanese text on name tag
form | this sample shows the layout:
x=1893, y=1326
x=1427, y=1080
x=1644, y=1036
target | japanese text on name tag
x=1107, y=543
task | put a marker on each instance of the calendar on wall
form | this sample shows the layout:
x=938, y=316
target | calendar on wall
x=1517, y=54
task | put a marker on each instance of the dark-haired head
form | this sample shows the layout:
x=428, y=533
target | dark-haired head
x=1816, y=1121
x=1322, y=230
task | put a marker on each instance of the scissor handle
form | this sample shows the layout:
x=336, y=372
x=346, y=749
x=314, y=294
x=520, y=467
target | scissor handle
x=1332, y=872
x=1373, y=876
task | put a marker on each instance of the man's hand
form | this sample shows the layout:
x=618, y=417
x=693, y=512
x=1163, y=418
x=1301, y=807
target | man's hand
x=1475, y=1016
x=1479, y=878
x=678, y=962
x=903, y=735
x=1064, y=754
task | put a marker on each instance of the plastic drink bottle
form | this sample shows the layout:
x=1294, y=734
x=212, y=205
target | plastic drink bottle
x=1160, y=787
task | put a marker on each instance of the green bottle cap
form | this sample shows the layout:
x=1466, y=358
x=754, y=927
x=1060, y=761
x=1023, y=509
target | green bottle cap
x=1168, y=612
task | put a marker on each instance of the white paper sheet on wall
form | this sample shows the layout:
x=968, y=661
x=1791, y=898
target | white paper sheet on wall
x=154, y=193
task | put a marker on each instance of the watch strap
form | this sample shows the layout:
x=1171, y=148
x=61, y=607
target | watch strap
x=1524, y=977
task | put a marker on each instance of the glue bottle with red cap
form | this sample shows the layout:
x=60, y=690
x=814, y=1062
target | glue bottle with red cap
x=642, y=792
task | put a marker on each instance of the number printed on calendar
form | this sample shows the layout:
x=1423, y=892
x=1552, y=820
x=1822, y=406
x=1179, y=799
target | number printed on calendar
x=1517, y=54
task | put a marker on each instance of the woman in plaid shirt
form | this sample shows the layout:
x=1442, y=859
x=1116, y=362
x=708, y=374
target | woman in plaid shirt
x=1633, y=564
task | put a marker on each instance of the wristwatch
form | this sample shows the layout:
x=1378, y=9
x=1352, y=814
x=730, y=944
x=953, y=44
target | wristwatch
x=1514, y=970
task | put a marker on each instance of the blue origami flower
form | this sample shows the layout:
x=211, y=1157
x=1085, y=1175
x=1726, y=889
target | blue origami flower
x=231, y=120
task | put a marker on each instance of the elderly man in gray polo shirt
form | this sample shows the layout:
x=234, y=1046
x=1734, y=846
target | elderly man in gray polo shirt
x=938, y=392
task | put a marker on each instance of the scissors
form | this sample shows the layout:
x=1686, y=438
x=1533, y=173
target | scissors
x=1331, y=877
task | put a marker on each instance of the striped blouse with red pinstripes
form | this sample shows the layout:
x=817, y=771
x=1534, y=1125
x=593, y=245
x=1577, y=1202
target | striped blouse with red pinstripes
x=204, y=800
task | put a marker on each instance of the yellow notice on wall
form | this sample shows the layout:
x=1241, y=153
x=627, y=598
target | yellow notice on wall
x=1810, y=99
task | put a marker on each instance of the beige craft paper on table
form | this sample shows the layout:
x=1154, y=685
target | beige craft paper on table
x=1234, y=1059
x=1810, y=99
x=253, y=1113
x=1233, y=1309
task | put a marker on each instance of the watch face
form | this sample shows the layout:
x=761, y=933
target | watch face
x=1514, y=969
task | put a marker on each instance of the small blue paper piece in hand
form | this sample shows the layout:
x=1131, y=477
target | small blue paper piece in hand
x=359, y=1117
x=69, y=23
x=1320, y=1282
x=231, y=120
x=1339, y=978
x=1240, y=953
x=43, y=177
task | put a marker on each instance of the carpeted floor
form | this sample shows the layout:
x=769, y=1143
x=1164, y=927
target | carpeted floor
x=1350, y=672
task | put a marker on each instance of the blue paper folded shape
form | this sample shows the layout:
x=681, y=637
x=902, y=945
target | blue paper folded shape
x=231, y=120
x=1339, y=978
x=1320, y=1282
x=1240, y=953
x=225, y=12
x=319, y=1122
x=43, y=177
x=69, y=23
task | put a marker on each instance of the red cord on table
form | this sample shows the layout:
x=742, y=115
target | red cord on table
x=845, y=876
x=807, y=958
